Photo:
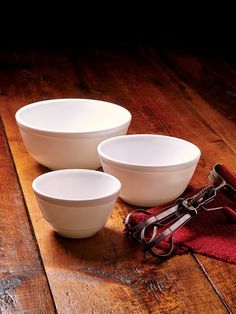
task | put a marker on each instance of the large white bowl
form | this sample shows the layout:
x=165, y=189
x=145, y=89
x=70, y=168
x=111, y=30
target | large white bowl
x=153, y=169
x=76, y=203
x=64, y=133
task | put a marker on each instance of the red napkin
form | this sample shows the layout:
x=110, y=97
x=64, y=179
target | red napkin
x=210, y=233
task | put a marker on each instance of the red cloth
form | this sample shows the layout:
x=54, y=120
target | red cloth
x=210, y=233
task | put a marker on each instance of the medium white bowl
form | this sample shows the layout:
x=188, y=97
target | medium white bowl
x=153, y=169
x=64, y=133
x=76, y=203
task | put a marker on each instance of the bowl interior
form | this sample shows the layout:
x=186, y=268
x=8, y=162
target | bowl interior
x=149, y=150
x=76, y=184
x=73, y=115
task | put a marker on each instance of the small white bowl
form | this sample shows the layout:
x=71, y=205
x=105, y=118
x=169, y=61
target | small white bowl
x=153, y=169
x=76, y=203
x=64, y=133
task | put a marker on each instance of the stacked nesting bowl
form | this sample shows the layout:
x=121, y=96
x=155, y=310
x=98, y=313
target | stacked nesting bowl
x=71, y=135
x=64, y=133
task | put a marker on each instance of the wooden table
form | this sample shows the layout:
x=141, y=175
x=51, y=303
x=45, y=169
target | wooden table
x=168, y=92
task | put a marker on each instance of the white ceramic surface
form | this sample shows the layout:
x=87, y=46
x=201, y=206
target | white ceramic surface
x=64, y=133
x=153, y=169
x=76, y=203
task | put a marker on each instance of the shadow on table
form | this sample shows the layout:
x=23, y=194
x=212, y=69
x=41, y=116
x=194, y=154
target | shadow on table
x=108, y=246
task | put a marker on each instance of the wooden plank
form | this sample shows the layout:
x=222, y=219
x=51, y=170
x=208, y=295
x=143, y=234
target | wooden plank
x=171, y=110
x=214, y=82
x=23, y=283
x=104, y=274
x=222, y=277
x=217, y=112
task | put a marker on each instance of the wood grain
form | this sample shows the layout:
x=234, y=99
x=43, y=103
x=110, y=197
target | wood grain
x=107, y=274
x=23, y=283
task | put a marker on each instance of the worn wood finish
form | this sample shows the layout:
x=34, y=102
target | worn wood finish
x=179, y=105
x=214, y=80
x=23, y=283
x=107, y=274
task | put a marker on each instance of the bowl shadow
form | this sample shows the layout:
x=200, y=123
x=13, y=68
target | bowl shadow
x=107, y=245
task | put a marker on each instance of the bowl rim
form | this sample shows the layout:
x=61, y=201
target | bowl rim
x=148, y=168
x=75, y=202
x=43, y=131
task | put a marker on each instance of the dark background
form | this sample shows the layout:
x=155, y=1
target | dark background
x=66, y=25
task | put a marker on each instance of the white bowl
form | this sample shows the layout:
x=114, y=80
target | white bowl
x=153, y=169
x=76, y=203
x=64, y=133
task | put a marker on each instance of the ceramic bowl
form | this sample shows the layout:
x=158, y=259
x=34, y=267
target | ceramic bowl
x=153, y=169
x=76, y=203
x=64, y=133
